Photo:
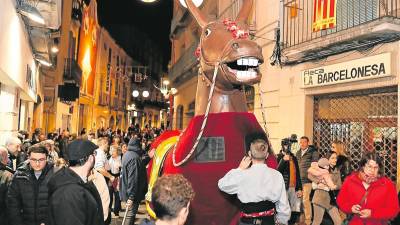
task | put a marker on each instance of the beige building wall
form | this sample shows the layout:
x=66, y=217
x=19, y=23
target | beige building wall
x=288, y=107
x=106, y=115
x=53, y=108
x=186, y=95
x=18, y=91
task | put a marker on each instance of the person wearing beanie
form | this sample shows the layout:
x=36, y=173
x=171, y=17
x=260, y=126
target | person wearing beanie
x=73, y=199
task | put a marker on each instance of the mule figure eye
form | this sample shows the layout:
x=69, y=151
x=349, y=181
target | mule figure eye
x=207, y=32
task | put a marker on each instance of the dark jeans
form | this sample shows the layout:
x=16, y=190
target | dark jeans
x=131, y=214
x=114, y=195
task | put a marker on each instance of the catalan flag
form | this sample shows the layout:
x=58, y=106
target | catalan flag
x=324, y=15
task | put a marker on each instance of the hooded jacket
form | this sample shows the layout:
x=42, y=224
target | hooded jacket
x=27, y=197
x=133, y=183
x=72, y=201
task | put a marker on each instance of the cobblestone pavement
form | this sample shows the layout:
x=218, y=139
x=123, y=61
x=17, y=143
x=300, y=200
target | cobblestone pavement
x=142, y=214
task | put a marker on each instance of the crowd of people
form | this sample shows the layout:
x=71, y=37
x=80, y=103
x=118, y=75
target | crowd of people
x=45, y=179
x=321, y=185
x=82, y=179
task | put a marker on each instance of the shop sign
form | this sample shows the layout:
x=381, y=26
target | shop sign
x=361, y=69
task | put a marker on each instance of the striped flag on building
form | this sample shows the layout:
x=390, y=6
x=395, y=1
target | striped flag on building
x=324, y=15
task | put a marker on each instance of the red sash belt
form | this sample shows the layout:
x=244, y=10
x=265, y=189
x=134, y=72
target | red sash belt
x=257, y=214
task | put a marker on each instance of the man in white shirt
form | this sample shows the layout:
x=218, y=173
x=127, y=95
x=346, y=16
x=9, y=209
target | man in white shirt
x=259, y=188
x=101, y=163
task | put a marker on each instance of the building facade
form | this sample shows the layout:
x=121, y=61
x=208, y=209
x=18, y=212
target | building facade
x=338, y=78
x=89, y=85
x=61, y=114
x=25, y=49
x=112, y=84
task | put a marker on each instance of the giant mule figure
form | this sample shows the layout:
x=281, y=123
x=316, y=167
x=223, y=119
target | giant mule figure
x=214, y=141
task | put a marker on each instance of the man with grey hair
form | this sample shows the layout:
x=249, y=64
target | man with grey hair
x=259, y=188
x=15, y=156
x=5, y=180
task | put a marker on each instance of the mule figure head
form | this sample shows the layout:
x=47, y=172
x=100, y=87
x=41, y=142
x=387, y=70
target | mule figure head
x=227, y=45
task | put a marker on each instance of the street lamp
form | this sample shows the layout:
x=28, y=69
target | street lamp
x=145, y=94
x=135, y=93
x=148, y=1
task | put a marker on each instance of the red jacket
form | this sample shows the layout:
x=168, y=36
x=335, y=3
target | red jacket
x=381, y=200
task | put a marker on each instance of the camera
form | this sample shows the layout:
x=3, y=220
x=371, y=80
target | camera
x=287, y=143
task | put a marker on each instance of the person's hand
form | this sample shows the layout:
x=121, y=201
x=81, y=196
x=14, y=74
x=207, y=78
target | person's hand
x=151, y=153
x=321, y=185
x=245, y=163
x=129, y=204
x=365, y=213
x=286, y=157
x=356, y=209
x=299, y=194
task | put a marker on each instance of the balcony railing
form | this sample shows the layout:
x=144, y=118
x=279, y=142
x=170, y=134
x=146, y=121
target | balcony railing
x=180, y=71
x=299, y=16
x=356, y=25
x=72, y=71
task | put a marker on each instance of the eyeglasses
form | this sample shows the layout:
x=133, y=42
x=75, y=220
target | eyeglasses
x=37, y=161
x=371, y=168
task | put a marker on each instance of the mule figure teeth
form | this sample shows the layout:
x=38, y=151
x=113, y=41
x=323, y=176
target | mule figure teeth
x=245, y=62
x=240, y=62
x=252, y=62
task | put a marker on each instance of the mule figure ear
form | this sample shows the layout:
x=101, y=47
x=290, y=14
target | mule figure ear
x=196, y=13
x=244, y=11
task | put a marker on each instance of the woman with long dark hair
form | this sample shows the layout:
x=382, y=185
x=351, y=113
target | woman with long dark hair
x=343, y=163
x=367, y=196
